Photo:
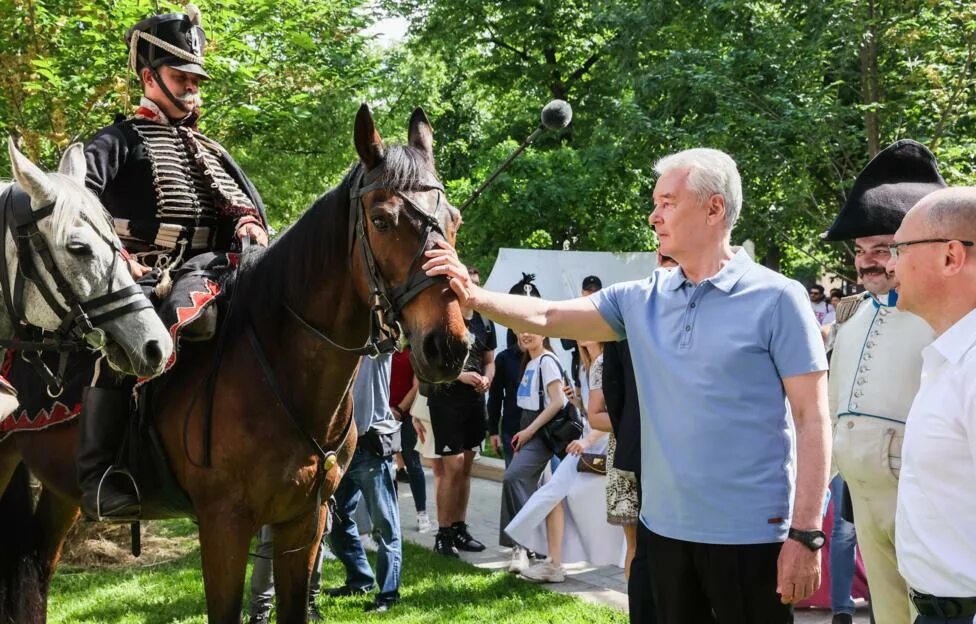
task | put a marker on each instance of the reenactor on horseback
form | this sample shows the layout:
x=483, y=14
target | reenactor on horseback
x=179, y=203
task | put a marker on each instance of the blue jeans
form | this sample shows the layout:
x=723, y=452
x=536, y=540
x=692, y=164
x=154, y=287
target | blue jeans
x=371, y=478
x=843, y=556
x=411, y=461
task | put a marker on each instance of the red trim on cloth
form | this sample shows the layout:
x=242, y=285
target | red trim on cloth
x=21, y=420
x=188, y=314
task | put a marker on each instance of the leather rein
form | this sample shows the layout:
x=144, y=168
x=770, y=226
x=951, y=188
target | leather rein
x=81, y=321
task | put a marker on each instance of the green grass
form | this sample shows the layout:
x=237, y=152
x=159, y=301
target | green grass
x=435, y=590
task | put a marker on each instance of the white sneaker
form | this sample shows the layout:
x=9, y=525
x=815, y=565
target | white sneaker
x=520, y=561
x=545, y=572
x=424, y=525
x=369, y=544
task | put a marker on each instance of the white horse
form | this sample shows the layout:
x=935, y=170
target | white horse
x=85, y=250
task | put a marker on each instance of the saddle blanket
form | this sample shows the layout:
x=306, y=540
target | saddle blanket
x=196, y=285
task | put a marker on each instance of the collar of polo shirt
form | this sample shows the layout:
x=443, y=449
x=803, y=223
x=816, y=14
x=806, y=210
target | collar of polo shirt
x=724, y=280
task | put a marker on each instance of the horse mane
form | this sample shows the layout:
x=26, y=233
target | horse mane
x=314, y=245
x=73, y=199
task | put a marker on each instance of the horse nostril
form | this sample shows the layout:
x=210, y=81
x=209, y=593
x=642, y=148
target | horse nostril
x=434, y=346
x=154, y=354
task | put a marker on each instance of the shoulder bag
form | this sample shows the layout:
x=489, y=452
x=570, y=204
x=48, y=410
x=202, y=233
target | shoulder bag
x=566, y=425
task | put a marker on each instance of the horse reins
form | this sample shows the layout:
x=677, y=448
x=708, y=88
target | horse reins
x=80, y=320
x=385, y=303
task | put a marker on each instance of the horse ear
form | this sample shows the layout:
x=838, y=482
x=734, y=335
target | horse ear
x=369, y=143
x=30, y=177
x=73, y=163
x=421, y=133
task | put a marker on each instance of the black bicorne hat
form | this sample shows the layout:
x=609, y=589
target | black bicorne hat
x=525, y=286
x=893, y=182
x=181, y=31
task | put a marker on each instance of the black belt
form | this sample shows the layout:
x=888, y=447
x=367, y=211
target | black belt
x=934, y=606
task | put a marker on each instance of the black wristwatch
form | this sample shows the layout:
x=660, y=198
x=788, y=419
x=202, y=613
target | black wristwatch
x=814, y=540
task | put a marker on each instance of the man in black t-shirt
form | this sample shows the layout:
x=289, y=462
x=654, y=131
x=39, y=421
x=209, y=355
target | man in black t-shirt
x=457, y=418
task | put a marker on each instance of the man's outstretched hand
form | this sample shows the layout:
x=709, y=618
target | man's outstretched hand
x=444, y=261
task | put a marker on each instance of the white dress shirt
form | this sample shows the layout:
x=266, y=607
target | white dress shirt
x=935, y=528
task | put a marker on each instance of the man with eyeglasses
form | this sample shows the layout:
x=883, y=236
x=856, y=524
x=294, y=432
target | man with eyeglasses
x=936, y=519
x=876, y=364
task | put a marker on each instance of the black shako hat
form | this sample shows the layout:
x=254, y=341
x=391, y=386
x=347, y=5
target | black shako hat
x=181, y=32
x=893, y=182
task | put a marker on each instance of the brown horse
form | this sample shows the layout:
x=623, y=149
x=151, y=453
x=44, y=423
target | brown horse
x=327, y=280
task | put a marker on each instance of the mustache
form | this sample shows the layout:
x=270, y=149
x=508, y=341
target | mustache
x=192, y=100
x=873, y=271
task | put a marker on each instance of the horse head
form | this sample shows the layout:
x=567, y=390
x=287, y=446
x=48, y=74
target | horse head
x=405, y=211
x=86, y=275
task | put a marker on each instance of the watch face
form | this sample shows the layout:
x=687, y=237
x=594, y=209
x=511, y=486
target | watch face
x=817, y=541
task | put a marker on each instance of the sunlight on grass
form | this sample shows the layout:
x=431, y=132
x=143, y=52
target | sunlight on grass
x=435, y=591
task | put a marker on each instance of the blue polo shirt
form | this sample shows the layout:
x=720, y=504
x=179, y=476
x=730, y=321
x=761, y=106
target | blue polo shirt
x=717, y=458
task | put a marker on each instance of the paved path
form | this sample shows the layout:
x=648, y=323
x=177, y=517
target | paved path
x=602, y=585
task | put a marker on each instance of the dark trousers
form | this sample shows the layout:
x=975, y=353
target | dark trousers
x=697, y=583
x=640, y=601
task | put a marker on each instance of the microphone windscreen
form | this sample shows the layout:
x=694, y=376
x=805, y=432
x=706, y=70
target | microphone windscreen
x=557, y=114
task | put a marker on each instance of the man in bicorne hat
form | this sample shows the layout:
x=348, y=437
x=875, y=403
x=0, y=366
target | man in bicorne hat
x=876, y=364
x=179, y=203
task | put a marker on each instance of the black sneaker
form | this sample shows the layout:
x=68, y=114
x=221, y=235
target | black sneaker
x=380, y=605
x=314, y=615
x=444, y=543
x=346, y=590
x=463, y=539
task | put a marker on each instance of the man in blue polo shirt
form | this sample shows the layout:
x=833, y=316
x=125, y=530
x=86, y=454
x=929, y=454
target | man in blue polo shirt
x=731, y=374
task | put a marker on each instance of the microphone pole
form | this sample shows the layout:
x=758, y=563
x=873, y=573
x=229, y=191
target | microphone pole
x=556, y=115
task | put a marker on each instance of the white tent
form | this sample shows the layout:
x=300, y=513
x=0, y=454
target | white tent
x=559, y=274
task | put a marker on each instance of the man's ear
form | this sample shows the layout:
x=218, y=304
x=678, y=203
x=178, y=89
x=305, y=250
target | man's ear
x=146, y=75
x=715, y=209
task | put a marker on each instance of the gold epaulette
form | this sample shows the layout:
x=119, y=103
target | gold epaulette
x=847, y=307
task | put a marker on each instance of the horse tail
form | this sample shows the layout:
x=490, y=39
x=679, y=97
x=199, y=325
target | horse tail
x=20, y=571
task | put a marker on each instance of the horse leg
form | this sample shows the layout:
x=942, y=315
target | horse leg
x=224, y=541
x=55, y=515
x=20, y=575
x=296, y=546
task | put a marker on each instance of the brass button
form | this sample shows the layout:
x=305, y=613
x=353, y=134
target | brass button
x=850, y=423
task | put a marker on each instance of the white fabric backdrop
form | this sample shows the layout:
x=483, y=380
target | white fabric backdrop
x=559, y=274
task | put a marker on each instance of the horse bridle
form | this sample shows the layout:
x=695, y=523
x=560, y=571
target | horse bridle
x=385, y=303
x=81, y=321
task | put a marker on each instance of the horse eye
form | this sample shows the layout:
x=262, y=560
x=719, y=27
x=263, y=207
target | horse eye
x=381, y=224
x=77, y=248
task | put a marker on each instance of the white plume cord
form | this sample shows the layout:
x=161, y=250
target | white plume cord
x=159, y=43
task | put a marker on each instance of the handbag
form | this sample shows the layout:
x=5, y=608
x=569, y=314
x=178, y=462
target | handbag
x=594, y=463
x=566, y=425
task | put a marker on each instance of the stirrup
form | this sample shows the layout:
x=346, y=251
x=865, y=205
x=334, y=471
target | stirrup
x=110, y=471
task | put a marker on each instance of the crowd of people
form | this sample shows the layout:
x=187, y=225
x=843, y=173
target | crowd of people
x=713, y=421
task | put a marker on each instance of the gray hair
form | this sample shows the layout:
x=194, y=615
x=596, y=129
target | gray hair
x=952, y=212
x=710, y=172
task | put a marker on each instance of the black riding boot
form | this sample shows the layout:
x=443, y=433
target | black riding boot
x=108, y=492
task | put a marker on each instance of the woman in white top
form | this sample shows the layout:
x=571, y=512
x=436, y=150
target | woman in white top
x=542, y=379
x=566, y=517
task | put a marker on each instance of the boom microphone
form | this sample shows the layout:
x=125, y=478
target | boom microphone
x=556, y=115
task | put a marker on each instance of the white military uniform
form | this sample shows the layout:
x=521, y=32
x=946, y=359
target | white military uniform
x=875, y=371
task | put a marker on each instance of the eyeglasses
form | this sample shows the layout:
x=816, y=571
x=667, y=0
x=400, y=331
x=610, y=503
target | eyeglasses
x=895, y=247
